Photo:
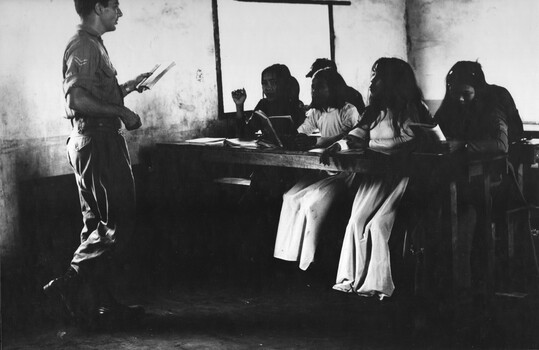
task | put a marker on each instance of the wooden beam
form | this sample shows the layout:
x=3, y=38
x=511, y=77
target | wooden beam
x=331, y=33
x=217, y=43
x=306, y=2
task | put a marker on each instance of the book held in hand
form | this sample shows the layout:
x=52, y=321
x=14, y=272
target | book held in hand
x=156, y=73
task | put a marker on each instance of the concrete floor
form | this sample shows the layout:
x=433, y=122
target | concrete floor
x=287, y=311
x=201, y=291
x=227, y=317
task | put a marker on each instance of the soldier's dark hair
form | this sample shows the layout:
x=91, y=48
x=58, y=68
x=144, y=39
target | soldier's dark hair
x=85, y=7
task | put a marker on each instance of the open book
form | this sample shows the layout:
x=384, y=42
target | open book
x=269, y=135
x=156, y=73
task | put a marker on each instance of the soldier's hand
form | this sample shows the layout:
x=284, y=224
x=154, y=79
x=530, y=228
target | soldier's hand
x=138, y=79
x=131, y=120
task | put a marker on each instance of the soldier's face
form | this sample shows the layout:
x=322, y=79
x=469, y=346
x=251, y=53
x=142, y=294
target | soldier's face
x=110, y=15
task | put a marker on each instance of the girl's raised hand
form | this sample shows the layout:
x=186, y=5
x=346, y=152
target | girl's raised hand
x=239, y=96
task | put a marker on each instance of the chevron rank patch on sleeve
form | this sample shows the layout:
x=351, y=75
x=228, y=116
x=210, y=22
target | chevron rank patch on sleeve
x=79, y=61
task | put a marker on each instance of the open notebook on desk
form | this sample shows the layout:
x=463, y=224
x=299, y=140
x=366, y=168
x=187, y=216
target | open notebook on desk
x=270, y=137
x=239, y=143
x=222, y=141
x=209, y=141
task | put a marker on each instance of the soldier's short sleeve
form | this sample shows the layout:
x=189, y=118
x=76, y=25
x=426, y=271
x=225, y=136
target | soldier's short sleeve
x=81, y=62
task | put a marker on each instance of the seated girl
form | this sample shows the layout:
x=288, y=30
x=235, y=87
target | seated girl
x=280, y=92
x=280, y=98
x=395, y=101
x=306, y=204
x=480, y=114
x=483, y=118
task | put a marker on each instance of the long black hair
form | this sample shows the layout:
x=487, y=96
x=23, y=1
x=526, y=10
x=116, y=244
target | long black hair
x=398, y=92
x=287, y=101
x=283, y=76
x=464, y=73
x=336, y=86
x=457, y=120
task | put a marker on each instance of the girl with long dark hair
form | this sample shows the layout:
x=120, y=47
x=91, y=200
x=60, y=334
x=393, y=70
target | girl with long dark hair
x=482, y=115
x=395, y=101
x=307, y=203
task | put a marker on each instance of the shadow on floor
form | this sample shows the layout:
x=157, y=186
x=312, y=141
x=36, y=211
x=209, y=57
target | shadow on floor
x=203, y=290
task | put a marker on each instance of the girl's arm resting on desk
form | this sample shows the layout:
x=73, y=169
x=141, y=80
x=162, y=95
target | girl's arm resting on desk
x=328, y=152
x=325, y=141
x=357, y=138
x=498, y=143
x=405, y=136
x=348, y=142
x=305, y=142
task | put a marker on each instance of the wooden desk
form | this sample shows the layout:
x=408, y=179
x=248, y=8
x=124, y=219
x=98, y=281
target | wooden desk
x=528, y=151
x=414, y=164
x=524, y=155
x=348, y=161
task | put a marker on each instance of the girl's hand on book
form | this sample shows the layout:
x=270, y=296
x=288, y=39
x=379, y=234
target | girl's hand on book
x=239, y=96
x=304, y=142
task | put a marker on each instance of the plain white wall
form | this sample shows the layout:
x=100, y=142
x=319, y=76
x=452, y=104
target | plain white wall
x=366, y=31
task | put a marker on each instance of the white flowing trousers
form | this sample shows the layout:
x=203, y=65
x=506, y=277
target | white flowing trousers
x=373, y=214
x=305, y=208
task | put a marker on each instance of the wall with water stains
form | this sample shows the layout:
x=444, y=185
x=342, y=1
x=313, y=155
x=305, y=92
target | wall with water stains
x=33, y=131
x=500, y=34
x=33, y=34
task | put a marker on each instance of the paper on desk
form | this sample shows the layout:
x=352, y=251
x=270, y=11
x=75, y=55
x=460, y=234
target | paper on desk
x=241, y=143
x=206, y=140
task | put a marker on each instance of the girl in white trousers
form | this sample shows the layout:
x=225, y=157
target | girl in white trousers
x=395, y=101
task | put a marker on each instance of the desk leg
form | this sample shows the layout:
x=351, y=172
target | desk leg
x=459, y=252
x=488, y=233
x=520, y=177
